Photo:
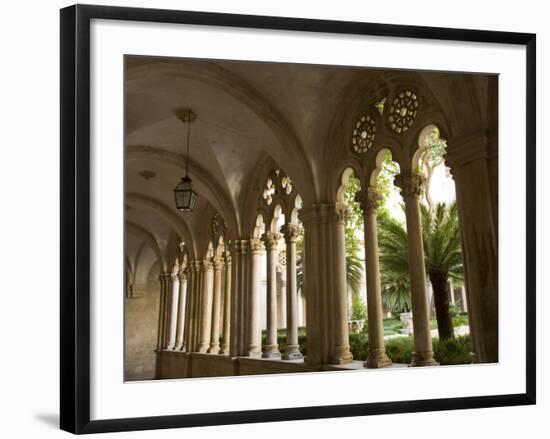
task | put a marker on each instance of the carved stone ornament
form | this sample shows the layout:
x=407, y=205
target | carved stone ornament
x=217, y=226
x=217, y=262
x=282, y=258
x=271, y=240
x=256, y=245
x=411, y=184
x=363, y=134
x=291, y=232
x=403, y=111
x=369, y=200
x=342, y=212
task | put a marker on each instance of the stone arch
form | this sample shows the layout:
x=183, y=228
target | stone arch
x=205, y=184
x=167, y=215
x=149, y=239
x=290, y=147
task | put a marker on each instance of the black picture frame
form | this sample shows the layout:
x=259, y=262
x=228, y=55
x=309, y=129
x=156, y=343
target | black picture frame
x=75, y=217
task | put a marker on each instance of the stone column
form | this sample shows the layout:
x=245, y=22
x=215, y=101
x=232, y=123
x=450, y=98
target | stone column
x=216, y=307
x=473, y=161
x=370, y=200
x=411, y=188
x=193, y=295
x=452, y=293
x=172, y=311
x=271, y=241
x=224, y=350
x=464, y=301
x=161, y=330
x=281, y=300
x=182, y=306
x=342, y=352
x=291, y=233
x=206, y=305
x=254, y=326
x=239, y=301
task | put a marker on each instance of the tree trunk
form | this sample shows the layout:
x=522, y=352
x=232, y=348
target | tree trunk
x=440, y=284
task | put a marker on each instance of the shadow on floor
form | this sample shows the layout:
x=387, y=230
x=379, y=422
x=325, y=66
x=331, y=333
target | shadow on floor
x=50, y=419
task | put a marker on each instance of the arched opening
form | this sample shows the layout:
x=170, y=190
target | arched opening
x=354, y=238
x=441, y=236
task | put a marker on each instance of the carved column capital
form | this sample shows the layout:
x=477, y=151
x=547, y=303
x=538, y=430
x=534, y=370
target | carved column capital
x=241, y=246
x=342, y=212
x=207, y=265
x=271, y=240
x=410, y=183
x=163, y=277
x=369, y=200
x=217, y=263
x=182, y=275
x=226, y=258
x=291, y=232
x=256, y=246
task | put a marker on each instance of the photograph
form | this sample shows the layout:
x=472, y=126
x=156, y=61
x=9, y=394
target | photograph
x=286, y=218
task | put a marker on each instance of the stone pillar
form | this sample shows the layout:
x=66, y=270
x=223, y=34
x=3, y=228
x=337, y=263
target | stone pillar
x=254, y=326
x=182, y=308
x=173, y=303
x=161, y=330
x=411, y=188
x=291, y=233
x=216, y=307
x=464, y=301
x=224, y=350
x=281, y=300
x=271, y=241
x=452, y=293
x=206, y=305
x=370, y=200
x=194, y=305
x=239, y=300
x=473, y=161
x=342, y=352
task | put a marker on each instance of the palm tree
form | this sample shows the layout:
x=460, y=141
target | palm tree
x=354, y=273
x=443, y=259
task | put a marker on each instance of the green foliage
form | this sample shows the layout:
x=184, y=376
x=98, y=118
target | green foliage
x=441, y=237
x=354, y=274
x=384, y=180
x=399, y=349
x=432, y=156
x=455, y=350
x=358, y=308
x=394, y=264
x=359, y=345
x=354, y=221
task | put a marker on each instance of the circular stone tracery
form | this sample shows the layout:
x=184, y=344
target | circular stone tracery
x=363, y=134
x=403, y=111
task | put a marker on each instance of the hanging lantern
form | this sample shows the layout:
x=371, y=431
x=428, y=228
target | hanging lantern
x=186, y=198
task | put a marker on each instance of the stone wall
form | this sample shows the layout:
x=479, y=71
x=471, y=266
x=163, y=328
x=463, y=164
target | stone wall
x=141, y=319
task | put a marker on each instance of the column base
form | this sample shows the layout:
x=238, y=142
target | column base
x=377, y=360
x=420, y=359
x=224, y=350
x=271, y=351
x=254, y=351
x=170, y=347
x=203, y=348
x=342, y=356
x=214, y=349
x=292, y=353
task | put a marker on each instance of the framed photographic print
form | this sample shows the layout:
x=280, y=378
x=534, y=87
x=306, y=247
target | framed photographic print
x=268, y=218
